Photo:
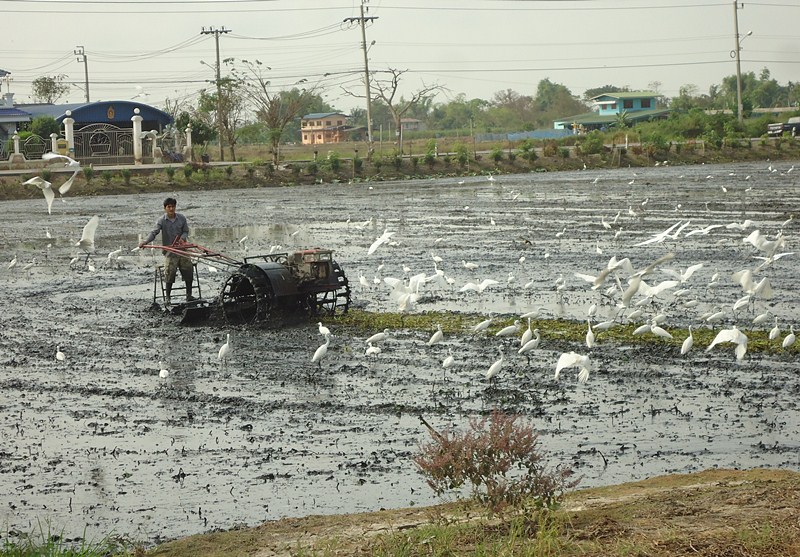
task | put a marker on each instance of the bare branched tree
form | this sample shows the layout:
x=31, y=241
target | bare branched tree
x=276, y=109
x=386, y=90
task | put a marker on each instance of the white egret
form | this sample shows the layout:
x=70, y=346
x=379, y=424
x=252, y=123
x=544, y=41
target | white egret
x=59, y=354
x=790, y=338
x=483, y=325
x=469, y=265
x=527, y=335
x=320, y=353
x=589, y=335
x=658, y=331
x=494, y=369
x=379, y=241
x=573, y=359
x=531, y=345
x=86, y=243
x=437, y=336
x=688, y=342
x=774, y=331
x=163, y=372
x=323, y=330
x=46, y=188
x=508, y=331
x=225, y=352
x=732, y=335
x=485, y=283
x=449, y=361
x=372, y=350
x=378, y=337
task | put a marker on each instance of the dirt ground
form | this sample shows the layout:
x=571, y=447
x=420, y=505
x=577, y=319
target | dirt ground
x=712, y=513
x=98, y=442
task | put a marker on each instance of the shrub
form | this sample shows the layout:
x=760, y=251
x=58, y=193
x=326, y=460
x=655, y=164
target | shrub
x=126, y=176
x=333, y=161
x=397, y=161
x=512, y=156
x=377, y=163
x=430, y=159
x=312, y=168
x=358, y=163
x=526, y=150
x=500, y=457
x=88, y=173
x=188, y=170
x=45, y=174
x=170, y=171
x=549, y=148
x=415, y=163
x=563, y=152
x=228, y=171
x=107, y=176
x=462, y=154
x=496, y=154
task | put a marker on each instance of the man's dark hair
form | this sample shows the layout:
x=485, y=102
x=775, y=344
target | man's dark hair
x=170, y=201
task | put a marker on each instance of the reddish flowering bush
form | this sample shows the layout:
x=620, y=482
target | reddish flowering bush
x=500, y=457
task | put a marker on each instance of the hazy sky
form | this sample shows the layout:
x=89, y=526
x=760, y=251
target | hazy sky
x=474, y=47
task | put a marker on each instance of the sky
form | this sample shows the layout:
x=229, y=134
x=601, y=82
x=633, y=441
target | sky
x=155, y=49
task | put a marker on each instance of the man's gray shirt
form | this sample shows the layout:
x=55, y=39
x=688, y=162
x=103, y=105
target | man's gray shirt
x=170, y=229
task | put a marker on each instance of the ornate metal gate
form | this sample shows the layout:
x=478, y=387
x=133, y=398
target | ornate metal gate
x=104, y=144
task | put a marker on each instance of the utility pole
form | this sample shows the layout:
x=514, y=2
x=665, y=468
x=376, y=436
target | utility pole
x=217, y=33
x=81, y=54
x=363, y=21
x=739, y=106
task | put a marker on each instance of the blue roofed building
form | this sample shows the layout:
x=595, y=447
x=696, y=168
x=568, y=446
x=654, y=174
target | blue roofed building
x=636, y=106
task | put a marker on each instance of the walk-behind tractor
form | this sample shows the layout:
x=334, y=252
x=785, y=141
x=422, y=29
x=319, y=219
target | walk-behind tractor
x=257, y=287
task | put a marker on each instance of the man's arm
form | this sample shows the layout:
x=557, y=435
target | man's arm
x=153, y=234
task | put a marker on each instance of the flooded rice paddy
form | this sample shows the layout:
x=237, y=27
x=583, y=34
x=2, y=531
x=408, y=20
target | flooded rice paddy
x=98, y=443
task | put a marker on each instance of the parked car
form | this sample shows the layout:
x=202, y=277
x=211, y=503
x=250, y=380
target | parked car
x=792, y=126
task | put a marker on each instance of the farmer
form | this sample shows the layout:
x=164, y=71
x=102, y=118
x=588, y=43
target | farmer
x=174, y=231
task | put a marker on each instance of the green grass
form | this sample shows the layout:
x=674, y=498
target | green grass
x=43, y=542
x=558, y=329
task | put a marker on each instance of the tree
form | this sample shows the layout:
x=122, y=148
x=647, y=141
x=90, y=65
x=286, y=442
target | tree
x=228, y=111
x=275, y=108
x=43, y=126
x=202, y=129
x=386, y=90
x=49, y=89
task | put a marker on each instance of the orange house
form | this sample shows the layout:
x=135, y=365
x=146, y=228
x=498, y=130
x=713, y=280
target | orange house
x=323, y=127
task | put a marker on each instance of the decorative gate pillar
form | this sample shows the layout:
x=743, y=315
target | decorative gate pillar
x=69, y=133
x=16, y=159
x=187, y=151
x=54, y=142
x=137, y=136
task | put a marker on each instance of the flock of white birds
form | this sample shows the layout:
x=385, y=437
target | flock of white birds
x=633, y=290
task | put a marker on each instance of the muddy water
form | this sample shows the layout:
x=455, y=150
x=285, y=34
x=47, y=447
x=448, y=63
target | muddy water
x=99, y=443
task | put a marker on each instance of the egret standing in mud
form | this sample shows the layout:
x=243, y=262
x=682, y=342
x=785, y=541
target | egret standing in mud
x=323, y=330
x=321, y=352
x=225, y=352
x=494, y=369
x=688, y=343
x=437, y=336
x=378, y=337
x=60, y=355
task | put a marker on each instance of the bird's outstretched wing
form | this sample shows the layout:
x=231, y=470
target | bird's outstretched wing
x=64, y=188
x=55, y=157
x=49, y=196
x=87, y=238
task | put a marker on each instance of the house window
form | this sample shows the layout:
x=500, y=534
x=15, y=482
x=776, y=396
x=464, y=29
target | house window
x=305, y=137
x=645, y=103
x=319, y=123
x=627, y=104
x=319, y=136
x=304, y=123
x=613, y=106
x=327, y=122
x=338, y=122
